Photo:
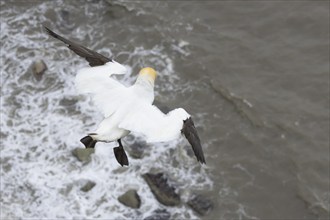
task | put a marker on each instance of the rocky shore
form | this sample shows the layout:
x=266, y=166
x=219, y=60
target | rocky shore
x=164, y=192
x=159, y=184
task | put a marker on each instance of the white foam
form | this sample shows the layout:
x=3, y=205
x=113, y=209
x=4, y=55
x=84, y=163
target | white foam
x=39, y=177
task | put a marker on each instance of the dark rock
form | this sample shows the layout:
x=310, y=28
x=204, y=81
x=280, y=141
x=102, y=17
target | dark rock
x=159, y=214
x=64, y=14
x=66, y=189
x=130, y=199
x=115, y=11
x=64, y=20
x=163, y=192
x=88, y=186
x=200, y=204
x=83, y=154
x=38, y=67
x=136, y=150
x=68, y=102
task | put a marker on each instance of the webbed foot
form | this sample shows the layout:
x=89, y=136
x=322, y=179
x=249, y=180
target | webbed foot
x=120, y=155
x=88, y=141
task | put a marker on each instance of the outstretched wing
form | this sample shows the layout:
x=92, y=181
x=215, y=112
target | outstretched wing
x=106, y=92
x=93, y=58
x=148, y=120
x=156, y=126
x=191, y=134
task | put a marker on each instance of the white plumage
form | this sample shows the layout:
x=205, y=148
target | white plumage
x=128, y=109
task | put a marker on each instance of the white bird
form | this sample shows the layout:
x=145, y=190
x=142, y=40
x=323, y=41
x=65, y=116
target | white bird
x=128, y=109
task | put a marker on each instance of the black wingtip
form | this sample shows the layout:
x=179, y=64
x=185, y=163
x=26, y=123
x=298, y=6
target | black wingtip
x=191, y=134
x=56, y=36
x=201, y=158
x=93, y=58
x=47, y=29
x=50, y=32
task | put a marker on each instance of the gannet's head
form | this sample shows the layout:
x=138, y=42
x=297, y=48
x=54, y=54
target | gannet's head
x=148, y=73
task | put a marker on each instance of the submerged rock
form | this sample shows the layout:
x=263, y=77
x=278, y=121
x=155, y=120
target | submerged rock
x=159, y=214
x=130, y=199
x=163, y=192
x=69, y=104
x=83, y=154
x=136, y=150
x=200, y=204
x=68, y=101
x=64, y=20
x=88, y=186
x=38, y=68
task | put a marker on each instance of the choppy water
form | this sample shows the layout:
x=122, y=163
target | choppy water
x=254, y=75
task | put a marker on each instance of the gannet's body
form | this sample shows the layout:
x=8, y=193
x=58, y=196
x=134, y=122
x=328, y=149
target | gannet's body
x=128, y=109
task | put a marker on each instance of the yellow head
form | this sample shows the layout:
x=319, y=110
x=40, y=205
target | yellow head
x=149, y=73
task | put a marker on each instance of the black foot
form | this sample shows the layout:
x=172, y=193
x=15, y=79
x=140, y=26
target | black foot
x=120, y=155
x=88, y=142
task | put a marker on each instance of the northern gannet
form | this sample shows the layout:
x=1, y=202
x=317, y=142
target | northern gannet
x=127, y=109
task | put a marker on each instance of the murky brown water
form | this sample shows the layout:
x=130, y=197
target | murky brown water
x=255, y=76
